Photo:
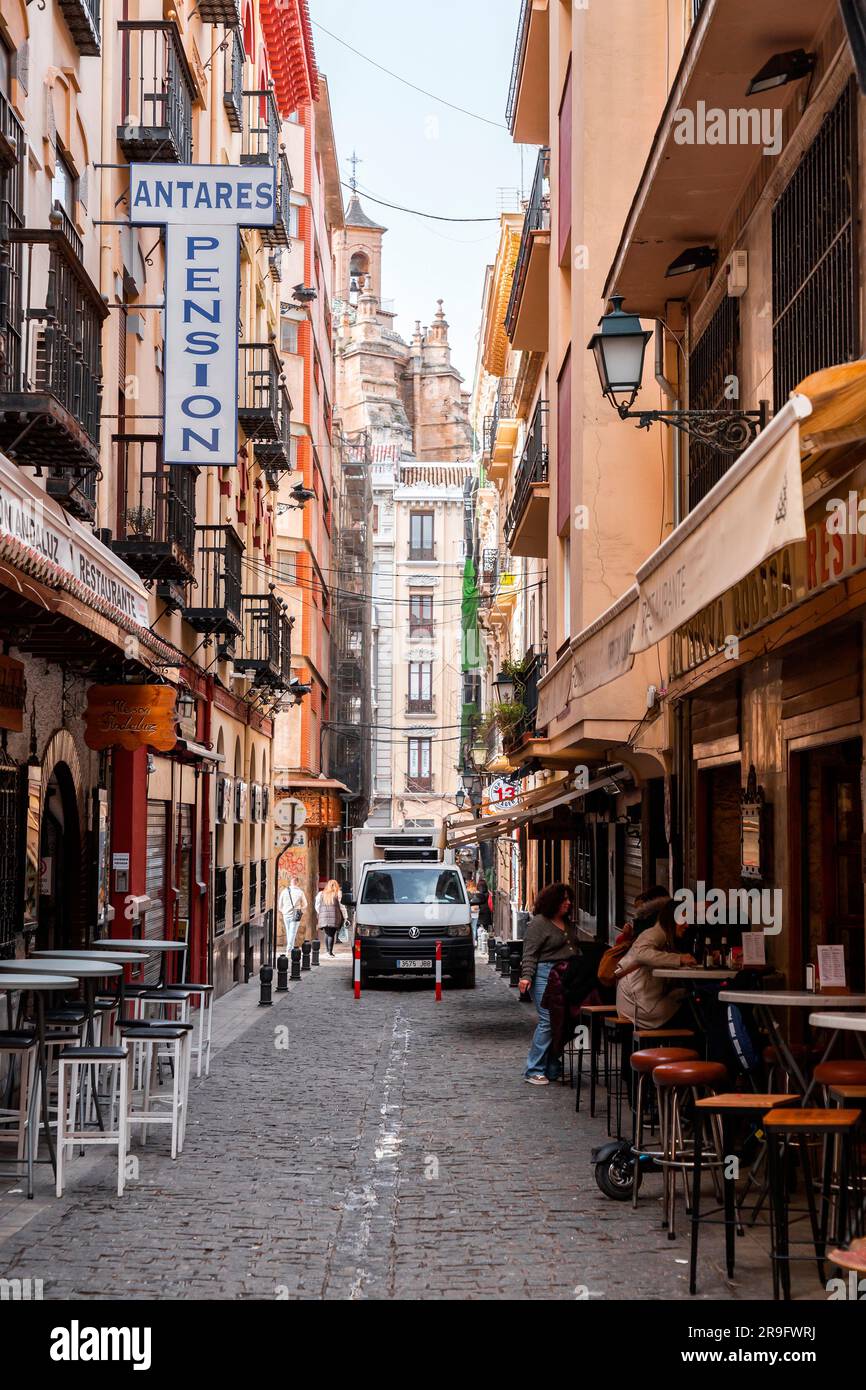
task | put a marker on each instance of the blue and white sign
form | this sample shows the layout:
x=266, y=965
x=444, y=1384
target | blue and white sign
x=202, y=206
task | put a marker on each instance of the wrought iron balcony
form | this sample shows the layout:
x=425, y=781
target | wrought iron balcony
x=261, y=127
x=253, y=888
x=527, y=693
x=278, y=235
x=216, y=602
x=264, y=408
x=263, y=882
x=220, y=897
x=11, y=146
x=517, y=61
x=237, y=895
x=82, y=17
x=536, y=224
x=419, y=784
x=156, y=524
x=420, y=705
x=266, y=653
x=233, y=96
x=529, y=505
x=50, y=372
x=227, y=12
x=156, y=93
x=74, y=489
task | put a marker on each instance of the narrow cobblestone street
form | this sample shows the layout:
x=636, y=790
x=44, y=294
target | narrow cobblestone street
x=381, y=1149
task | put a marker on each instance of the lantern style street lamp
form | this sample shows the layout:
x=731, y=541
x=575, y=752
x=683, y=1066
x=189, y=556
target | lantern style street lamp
x=460, y=798
x=619, y=348
x=479, y=755
x=504, y=685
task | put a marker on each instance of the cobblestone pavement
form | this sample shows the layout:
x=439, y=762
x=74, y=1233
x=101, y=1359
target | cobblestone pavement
x=386, y=1148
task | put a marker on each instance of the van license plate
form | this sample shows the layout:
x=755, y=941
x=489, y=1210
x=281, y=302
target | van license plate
x=414, y=965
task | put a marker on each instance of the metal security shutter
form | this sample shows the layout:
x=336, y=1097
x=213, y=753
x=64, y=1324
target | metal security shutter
x=632, y=873
x=155, y=879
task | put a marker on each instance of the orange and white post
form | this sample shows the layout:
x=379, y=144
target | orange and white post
x=357, y=967
x=438, y=972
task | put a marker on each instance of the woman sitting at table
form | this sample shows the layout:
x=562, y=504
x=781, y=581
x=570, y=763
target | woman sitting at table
x=640, y=996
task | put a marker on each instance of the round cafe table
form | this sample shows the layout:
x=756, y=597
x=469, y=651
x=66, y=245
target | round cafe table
x=144, y=943
x=86, y=971
x=36, y=983
x=765, y=1002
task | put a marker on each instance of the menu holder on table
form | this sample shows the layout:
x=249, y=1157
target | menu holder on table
x=831, y=970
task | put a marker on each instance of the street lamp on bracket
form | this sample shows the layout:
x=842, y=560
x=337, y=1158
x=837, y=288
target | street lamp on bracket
x=619, y=348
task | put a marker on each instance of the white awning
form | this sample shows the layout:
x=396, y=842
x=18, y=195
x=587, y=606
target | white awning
x=754, y=510
x=599, y=654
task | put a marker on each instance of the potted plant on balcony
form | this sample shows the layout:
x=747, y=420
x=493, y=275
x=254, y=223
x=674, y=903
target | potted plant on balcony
x=505, y=716
x=139, y=523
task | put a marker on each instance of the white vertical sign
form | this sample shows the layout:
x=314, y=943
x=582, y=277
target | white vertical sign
x=202, y=206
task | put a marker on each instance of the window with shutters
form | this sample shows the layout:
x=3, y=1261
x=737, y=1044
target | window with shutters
x=420, y=777
x=420, y=688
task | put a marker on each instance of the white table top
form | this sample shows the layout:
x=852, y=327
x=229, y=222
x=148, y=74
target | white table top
x=847, y=1023
x=118, y=957
x=81, y=969
x=693, y=972
x=140, y=943
x=792, y=998
x=21, y=980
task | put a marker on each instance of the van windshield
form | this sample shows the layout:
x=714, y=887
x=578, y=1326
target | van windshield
x=421, y=885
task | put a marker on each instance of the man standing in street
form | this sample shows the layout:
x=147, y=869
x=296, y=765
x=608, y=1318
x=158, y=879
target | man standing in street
x=292, y=904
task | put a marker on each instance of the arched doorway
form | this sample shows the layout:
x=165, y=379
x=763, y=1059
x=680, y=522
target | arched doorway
x=61, y=897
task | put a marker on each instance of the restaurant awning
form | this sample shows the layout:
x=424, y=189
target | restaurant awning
x=699, y=163
x=750, y=513
x=531, y=803
x=599, y=654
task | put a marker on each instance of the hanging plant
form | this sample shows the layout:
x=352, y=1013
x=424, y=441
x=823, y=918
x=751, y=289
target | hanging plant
x=504, y=716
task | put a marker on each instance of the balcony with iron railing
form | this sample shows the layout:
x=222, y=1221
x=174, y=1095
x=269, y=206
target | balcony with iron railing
x=526, y=694
x=220, y=901
x=420, y=704
x=278, y=235
x=237, y=895
x=261, y=127
x=233, y=96
x=51, y=318
x=11, y=140
x=526, y=318
x=526, y=523
x=264, y=407
x=156, y=92
x=266, y=649
x=253, y=888
x=82, y=19
x=215, y=603
x=263, y=882
x=500, y=431
x=156, y=521
x=419, y=784
x=526, y=109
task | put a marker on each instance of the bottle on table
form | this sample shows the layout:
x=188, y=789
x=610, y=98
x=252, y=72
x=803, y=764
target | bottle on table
x=708, y=953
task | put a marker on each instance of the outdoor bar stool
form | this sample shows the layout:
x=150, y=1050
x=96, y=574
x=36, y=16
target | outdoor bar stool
x=643, y=1064
x=201, y=1044
x=852, y=1257
x=662, y=1037
x=784, y=1126
x=803, y=1055
x=83, y=1133
x=674, y=1081
x=19, y=1124
x=148, y=1039
x=617, y=1031
x=590, y=1017
x=722, y=1109
x=842, y=1073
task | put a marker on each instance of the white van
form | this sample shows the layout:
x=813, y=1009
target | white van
x=403, y=909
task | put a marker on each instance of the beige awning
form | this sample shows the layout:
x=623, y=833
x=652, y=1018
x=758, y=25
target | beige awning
x=754, y=510
x=599, y=654
x=532, y=803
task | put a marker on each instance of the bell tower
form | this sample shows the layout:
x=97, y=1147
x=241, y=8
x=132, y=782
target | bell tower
x=358, y=249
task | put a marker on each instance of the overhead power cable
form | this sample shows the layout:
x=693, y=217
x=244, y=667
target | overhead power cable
x=499, y=125
x=414, y=212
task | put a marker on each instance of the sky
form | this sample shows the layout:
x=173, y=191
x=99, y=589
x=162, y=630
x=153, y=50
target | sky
x=421, y=154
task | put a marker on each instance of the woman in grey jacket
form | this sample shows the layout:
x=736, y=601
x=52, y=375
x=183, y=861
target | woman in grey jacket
x=548, y=939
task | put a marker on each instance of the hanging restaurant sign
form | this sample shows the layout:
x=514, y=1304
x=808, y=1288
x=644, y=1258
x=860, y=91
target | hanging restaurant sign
x=202, y=207
x=130, y=717
x=12, y=692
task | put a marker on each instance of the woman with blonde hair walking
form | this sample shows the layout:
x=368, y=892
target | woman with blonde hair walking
x=330, y=912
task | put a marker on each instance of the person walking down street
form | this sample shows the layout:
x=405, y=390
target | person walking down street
x=484, y=917
x=330, y=912
x=291, y=906
x=549, y=938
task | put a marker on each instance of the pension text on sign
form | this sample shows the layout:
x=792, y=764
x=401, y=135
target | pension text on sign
x=202, y=283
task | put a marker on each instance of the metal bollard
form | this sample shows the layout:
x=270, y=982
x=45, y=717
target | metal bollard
x=266, y=975
x=296, y=963
x=514, y=972
x=504, y=958
x=282, y=974
x=306, y=952
x=492, y=943
x=317, y=946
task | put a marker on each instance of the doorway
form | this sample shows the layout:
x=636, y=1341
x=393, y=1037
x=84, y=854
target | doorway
x=829, y=852
x=61, y=915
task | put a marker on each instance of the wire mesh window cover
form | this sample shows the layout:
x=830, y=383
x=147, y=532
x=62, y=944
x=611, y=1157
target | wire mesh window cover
x=421, y=680
x=584, y=881
x=713, y=377
x=815, y=261
x=10, y=851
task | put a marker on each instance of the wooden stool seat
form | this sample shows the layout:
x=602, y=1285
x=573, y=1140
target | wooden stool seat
x=619, y=1021
x=846, y=1073
x=651, y=1057
x=843, y=1092
x=664, y=1033
x=691, y=1074
x=598, y=1008
x=818, y=1121
x=744, y=1101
